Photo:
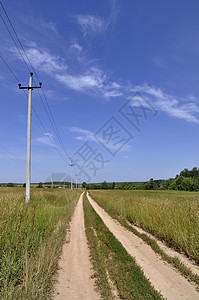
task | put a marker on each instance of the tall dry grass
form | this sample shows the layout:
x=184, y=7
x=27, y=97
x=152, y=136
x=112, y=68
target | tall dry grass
x=31, y=238
x=169, y=215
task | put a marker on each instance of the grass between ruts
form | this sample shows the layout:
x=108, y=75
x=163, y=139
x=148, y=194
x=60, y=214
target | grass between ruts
x=112, y=262
x=121, y=208
x=31, y=239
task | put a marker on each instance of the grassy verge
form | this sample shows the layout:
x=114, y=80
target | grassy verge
x=113, y=264
x=121, y=216
x=31, y=239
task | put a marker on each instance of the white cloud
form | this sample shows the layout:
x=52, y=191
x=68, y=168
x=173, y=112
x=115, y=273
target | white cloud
x=92, y=25
x=76, y=46
x=94, y=78
x=87, y=135
x=95, y=81
x=112, y=93
x=145, y=88
x=43, y=60
x=84, y=134
x=47, y=139
x=177, y=107
x=52, y=95
x=191, y=97
x=49, y=25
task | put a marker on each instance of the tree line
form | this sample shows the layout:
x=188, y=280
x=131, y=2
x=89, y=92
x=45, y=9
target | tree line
x=187, y=180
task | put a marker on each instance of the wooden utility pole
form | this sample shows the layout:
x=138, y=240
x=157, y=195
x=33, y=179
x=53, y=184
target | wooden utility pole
x=28, y=154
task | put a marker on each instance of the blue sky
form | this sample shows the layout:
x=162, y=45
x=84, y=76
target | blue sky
x=121, y=79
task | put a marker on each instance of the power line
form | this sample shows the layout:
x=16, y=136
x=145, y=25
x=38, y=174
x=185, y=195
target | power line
x=11, y=155
x=18, y=40
x=5, y=149
x=15, y=35
x=50, y=115
x=47, y=133
x=15, y=43
x=9, y=69
x=53, y=123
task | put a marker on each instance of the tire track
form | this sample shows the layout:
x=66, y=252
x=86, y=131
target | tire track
x=74, y=280
x=163, y=277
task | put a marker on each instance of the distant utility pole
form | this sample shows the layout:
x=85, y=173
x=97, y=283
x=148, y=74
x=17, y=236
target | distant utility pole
x=76, y=181
x=71, y=185
x=64, y=182
x=28, y=155
x=52, y=181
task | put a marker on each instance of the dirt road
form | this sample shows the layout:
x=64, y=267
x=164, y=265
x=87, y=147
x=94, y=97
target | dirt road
x=74, y=281
x=162, y=276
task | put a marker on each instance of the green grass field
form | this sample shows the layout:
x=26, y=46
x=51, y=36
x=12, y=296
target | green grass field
x=112, y=262
x=31, y=239
x=32, y=235
x=169, y=215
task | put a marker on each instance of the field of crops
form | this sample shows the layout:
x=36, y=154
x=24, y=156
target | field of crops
x=31, y=239
x=169, y=215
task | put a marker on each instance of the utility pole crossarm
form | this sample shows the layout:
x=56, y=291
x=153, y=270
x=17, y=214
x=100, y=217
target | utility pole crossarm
x=29, y=87
x=28, y=155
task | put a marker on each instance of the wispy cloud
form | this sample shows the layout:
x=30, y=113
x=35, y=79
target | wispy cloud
x=178, y=107
x=75, y=45
x=94, y=25
x=91, y=25
x=42, y=59
x=87, y=135
x=96, y=81
x=47, y=139
x=49, y=25
x=93, y=78
x=112, y=89
x=50, y=94
x=83, y=134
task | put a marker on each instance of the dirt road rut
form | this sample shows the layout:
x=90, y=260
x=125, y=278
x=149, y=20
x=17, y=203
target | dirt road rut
x=74, y=281
x=163, y=277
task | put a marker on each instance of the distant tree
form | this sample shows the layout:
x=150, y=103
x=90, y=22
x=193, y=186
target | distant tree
x=40, y=185
x=196, y=185
x=187, y=184
x=10, y=184
x=84, y=184
x=113, y=185
x=173, y=185
x=104, y=185
x=24, y=185
x=123, y=186
x=117, y=187
x=140, y=186
x=179, y=182
x=194, y=173
x=129, y=186
x=150, y=185
x=185, y=173
x=164, y=184
x=96, y=186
